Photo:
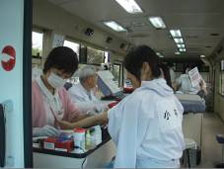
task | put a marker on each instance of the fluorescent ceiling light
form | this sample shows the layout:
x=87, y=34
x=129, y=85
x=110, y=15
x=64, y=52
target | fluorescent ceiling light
x=202, y=56
x=157, y=22
x=176, y=33
x=115, y=26
x=181, y=45
x=182, y=50
x=130, y=6
x=177, y=53
x=179, y=40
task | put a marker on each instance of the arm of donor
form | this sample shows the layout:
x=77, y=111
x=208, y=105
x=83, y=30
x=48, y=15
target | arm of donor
x=47, y=130
x=81, y=117
x=98, y=119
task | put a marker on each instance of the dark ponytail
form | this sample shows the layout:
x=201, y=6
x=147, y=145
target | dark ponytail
x=135, y=58
x=166, y=73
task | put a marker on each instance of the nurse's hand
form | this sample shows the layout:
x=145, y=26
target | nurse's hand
x=99, y=119
x=103, y=118
x=47, y=130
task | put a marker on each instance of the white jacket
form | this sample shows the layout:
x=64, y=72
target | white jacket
x=147, y=125
x=186, y=85
x=85, y=101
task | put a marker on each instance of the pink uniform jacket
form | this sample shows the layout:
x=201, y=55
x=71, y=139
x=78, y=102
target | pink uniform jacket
x=39, y=114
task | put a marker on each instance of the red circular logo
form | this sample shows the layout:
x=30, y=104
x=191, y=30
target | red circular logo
x=8, y=58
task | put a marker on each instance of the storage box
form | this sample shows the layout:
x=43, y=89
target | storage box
x=54, y=143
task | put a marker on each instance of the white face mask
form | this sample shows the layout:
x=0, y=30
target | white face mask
x=56, y=81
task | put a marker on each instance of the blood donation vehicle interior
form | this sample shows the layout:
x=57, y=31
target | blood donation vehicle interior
x=112, y=84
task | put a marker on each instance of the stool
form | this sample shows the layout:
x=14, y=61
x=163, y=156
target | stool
x=220, y=140
x=189, y=144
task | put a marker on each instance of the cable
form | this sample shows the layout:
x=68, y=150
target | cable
x=77, y=147
x=83, y=163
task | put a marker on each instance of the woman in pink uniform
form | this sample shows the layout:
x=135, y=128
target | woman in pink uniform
x=50, y=101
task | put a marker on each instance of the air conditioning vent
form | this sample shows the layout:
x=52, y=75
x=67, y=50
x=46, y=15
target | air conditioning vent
x=194, y=50
x=140, y=35
x=138, y=24
x=214, y=34
x=89, y=32
x=192, y=37
x=208, y=47
x=109, y=39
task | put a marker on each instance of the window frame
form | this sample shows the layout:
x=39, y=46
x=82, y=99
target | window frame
x=221, y=79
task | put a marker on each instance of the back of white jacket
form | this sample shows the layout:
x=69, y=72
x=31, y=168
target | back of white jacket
x=147, y=124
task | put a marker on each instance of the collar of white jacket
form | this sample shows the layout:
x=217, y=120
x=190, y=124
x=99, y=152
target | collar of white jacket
x=158, y=85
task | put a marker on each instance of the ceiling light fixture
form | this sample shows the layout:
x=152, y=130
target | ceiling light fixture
x=202, y=56
x=179, y=40
x=115, y=26
x=130, y=6
x=181, y=45
x=182, y=50
x=157, y=22
x=177, y=53
x=176, y=33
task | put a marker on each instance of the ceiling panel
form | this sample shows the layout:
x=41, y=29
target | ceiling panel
x=197, y=19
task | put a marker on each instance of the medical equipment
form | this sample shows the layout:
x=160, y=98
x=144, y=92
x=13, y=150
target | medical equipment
x=107, y=85
x=88, y=140
x=79, y=139
x=96, y=135
x=61, y=143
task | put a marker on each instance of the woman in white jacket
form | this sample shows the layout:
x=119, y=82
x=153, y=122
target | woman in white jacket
x=146, y=126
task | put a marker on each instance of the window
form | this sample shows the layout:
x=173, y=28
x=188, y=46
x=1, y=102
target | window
x=106, y=57
x=37, y=43
x=95, y=56
x=116, y=71
x=74, y=46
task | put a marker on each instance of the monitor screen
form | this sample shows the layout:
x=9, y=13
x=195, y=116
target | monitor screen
x=103, y=87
